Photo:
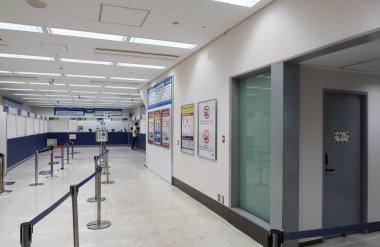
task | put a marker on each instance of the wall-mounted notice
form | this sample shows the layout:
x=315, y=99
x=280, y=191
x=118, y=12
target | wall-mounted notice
x=165, y=122
x=160, y=94
x=157, y=128
x=150, y=128
x=187, y=128
x=112, y=112
x=207, y=129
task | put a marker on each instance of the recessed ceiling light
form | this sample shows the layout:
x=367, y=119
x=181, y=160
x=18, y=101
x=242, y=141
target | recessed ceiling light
x=52, y=90
x=244, y=3
x=17, y=89
x=20, y=27
x=119, y=87
x=146, y=66
x=57, y=95
x=39, y=83
x=80, y=85
x=37, y=4
x=26, y=94
x=83, y=92
x=162, y=43
x=86, y=76
x=127, y=79
x=5, y=72
x=37, y=73
x=69, y=60
x=6, y=55
x=12, y=82
x=114, y=93
x=83, y=34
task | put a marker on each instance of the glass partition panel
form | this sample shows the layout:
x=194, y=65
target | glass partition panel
x=255, y=145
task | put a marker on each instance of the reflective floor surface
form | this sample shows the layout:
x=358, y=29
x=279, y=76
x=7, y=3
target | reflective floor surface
x=144, y=209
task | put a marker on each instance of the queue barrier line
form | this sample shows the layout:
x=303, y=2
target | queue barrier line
x=26, y=228
x=280, y=236
x=45, y=213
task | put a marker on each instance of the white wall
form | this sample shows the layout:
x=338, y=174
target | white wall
x=136, y=114
x=283, y=29
x=313, y=81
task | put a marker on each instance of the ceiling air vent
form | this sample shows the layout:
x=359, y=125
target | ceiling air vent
x=135, y=54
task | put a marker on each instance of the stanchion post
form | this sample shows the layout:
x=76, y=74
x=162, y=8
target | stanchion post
x=72, y=150
x=276, y=238
x=95, y=198
x=68, y=153
x=3, y=191
x=62, y=158
x=36, y=183
x=106, y=164
x=26, y=231
x=98, y=223
x=51, y=163
x=74, y=197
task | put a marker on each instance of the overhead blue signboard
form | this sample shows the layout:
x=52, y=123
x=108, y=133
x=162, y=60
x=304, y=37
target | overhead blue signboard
x=62, y=111
x=160, y=94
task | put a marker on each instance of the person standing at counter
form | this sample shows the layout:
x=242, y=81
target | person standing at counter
x=135, y=134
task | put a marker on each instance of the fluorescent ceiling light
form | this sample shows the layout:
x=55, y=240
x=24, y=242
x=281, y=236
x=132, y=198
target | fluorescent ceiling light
x=6, y=55
x=161, y=43
x=17, y=89
x=53, y=90
x=59, y=84
x=20, y=27
x=83, y=92
x=86, y=76
x=244, y=3
x=114, y=93
x=39, y=83
x=83, y=34
x=110, y=98
x=135, y=94
x=12, y=82
x=69, y=60
x=80, y=85
x=127, y=79
x=120, y=87
x=146, y=66
x=37, y=73
x=113, y=101
x=56, y=95
x=5, y=72
x=84, y=100
x=26, y=94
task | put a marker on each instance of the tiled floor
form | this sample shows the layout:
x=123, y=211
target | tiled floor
x=144, y=209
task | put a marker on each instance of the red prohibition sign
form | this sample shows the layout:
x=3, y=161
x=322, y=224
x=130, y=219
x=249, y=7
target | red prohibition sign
x=206, y=136
x=206, y=112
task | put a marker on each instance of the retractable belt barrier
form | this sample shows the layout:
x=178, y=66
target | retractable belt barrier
x=26, y=228
x=277, y=237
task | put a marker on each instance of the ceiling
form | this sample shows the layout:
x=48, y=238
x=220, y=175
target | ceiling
x=363, y=58
x=194, y=22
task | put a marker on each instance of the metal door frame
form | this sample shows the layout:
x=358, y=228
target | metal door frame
x=364, y=149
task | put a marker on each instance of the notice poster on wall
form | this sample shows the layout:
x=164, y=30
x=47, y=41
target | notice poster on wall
x=165, y=129
x=207, y=129
x=187, y=128
x=157, y=128
x=150, y=128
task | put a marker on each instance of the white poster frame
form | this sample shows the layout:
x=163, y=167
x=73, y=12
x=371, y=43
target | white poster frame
x=200, y=154
x=186, y=150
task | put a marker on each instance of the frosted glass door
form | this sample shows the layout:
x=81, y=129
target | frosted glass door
x=255, y=145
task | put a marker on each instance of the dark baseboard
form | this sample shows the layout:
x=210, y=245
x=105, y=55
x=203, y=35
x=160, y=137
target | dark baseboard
x=311, y=242
x=254, y=231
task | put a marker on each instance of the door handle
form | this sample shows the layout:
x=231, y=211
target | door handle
x=329, y=170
